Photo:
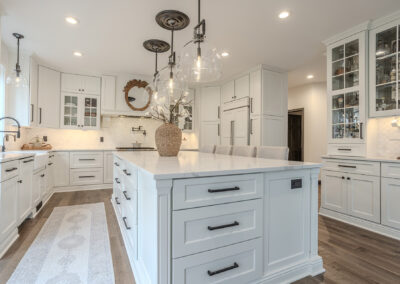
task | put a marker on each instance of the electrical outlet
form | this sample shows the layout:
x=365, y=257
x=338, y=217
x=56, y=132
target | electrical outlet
x=101, y=139
x=45, y=138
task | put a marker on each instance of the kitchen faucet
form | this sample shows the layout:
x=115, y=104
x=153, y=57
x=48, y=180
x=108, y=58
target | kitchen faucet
x=18, y=132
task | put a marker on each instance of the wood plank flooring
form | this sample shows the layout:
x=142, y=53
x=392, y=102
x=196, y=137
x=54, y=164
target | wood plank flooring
x=350, y=254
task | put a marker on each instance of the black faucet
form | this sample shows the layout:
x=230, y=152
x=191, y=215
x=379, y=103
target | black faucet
x=3, y=148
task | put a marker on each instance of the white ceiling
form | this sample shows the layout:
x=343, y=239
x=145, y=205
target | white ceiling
x=111, y=32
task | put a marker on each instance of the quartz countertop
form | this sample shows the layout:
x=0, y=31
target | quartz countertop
x=196, y=164
x=11, y=156
x=366, y=158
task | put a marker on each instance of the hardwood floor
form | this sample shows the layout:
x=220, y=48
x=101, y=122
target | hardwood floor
x=350, y=254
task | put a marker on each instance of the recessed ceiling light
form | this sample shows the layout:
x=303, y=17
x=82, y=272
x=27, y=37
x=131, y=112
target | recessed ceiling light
x=284, y=14
x=225, y=54
x=310, y=76
x=78, y=54
x=71, y=20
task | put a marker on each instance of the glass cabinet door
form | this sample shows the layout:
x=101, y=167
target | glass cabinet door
x=386, y=69
x=346, y=115
x=345, y=65
x=90, y=114
x=70, y=108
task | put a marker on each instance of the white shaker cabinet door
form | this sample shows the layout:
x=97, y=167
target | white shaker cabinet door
x=108, y=93
x=390, y=202
x=210, y=104
x=241, y=127
x=61, y=169
x=8, y=206
x=25, y=188
x=364, y=197
x=242, y=87
x=255, y=92
x=255, y=131
x=49, y=98
x=210, y=133
x=108, y=167
x=334, y=191
x=91, y=85
x=228, y=92
x=36, y=185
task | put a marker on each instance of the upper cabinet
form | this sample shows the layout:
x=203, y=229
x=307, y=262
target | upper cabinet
x=228, y=92
x=73, y=83
x=347, y=92
x=48, y=98
x=242, y=87
x=80, y=111
x=384, y=70
x=108, y=93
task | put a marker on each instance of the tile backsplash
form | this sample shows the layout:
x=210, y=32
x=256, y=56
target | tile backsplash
x=383, y=140
x=117, y=132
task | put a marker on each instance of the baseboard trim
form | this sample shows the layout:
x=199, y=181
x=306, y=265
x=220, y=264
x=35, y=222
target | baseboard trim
x=8, y=242
x=364, y=224
x=83, y=187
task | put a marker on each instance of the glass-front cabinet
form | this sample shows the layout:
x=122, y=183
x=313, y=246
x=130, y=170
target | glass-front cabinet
x=80, y=111
x=384, y=70
x=346, y=90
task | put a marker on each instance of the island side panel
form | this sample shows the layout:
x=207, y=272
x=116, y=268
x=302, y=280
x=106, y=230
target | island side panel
x=154, y=227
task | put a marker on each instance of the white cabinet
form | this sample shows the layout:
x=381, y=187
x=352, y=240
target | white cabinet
x=334, y=191
x=108, y=167
x=25, y=188
x=108, y=84
x=384, y=70
x=48, y=98
x=390, y=192
x=274, y=93
x=255, y=131
x=210, y=133
x=61, y=169
x=49, y=179
x=228, y=92
x=235, y=127
x=255, y=92
x=73, y=83
x=8, y=207
x=242, y=87
x=33, y=92
x=210, y=104
x=80, y=111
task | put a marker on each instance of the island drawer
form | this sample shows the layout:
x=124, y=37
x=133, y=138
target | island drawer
x=86, y=160
x=206, y=228
x=86, y=176
x=240, y=263
x=351, y=166
x=391, y=170
x=197, y=192
x=8, y=170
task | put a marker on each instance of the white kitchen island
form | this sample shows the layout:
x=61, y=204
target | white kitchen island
x=205, y=218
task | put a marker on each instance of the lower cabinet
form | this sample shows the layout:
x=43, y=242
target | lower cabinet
x=38, y=186
x=86, y=176
x=25, y=189
x=334, y=191
x=8, y=207
x=61, y=169
x=108, y=167
x=390, y=202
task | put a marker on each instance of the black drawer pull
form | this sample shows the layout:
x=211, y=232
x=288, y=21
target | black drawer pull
x=51, y=156
x=346, y=166
x=117, y=180
x=236, y=223
x=116, y=164
x=212, y=273
x=116, y=201
x=87, y=159
x=28, y=161
x=20, y=181
x=344, y=149
x=126, y=225
x=223, y=189
x=86, y=176
x=11, y=170
x=127, y=197
x=42, y=175
x=126, y=172
x=348, y=178
x=49, y=164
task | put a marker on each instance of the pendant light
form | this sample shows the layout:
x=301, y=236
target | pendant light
x=156, y=46
x=16, y=79
x=169, y=81
x=199, y=61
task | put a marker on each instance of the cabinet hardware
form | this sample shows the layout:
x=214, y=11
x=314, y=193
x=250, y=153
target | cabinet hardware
x=87, y=159
x=347, y=166
x=116, y=164
x=126, y=225
x=361, y=131
x=212, y=273
x=11, y=170
x=343, y=177
x=51, y=156
x=236, y=223
x=219, y=130
x=117, y=180
x=32, y=109
x=49, y=164
x=116, y=201
x=28, y=161
x=344, y=149
x=86, y=176
x=126, y=196
x=40, y=115
x=42, y=175
x=251, y=126
x=219, y=112
x=348, y=178
x=232, y=131
x=126, y=172
x=251, y=105
x=224, y=189
x=20, y=181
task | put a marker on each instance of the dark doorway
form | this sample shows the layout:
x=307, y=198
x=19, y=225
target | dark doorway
x=296, y=134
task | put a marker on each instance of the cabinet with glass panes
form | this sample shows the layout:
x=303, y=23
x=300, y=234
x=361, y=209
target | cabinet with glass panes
x=346, y=90
x=384, y=70
x=80, y=111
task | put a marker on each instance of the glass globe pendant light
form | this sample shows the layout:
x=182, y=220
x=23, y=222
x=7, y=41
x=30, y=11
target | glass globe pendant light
x=16, y=78
x=200, y=62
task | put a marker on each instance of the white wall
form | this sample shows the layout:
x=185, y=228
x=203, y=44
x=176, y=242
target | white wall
x=312, y=97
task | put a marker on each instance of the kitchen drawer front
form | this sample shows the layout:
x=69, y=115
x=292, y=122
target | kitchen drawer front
x=206, y=228
x=357, y=150
x=353, y=166
x=9, y=170
x=86, y=160
x=86, y=176
x=240, y=263
x=196, y=192
x=130, y=232
x=129, y=203
x=130, y=174
x=391, y=170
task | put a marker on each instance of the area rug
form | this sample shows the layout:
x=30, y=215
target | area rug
x=72, y=247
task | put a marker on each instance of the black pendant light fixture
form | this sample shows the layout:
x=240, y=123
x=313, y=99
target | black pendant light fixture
x=199, y=61
x=16, y=79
